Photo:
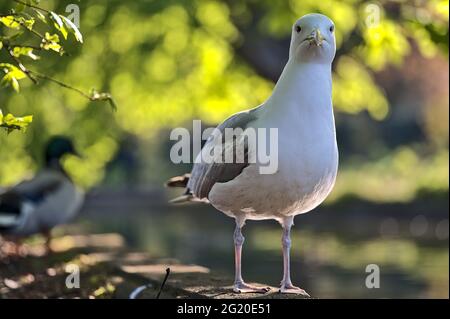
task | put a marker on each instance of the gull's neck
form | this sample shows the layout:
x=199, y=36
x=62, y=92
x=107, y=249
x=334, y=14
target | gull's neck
x=303, y=85
x=302, y=96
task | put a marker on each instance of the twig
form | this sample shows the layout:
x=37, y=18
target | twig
x=163, y=283
x=32, y=6
x=62, y=84
x=40, y=36
x=32, y=75
x=9, y=14
x=95, y=96
x=10, y=128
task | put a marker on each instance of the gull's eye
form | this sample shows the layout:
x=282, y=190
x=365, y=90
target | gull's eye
x=298, y=28
x=332, y=28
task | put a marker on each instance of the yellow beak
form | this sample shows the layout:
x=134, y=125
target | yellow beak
x=316, y=37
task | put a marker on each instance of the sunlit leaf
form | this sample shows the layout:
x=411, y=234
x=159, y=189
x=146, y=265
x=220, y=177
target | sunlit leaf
x=73, y=28
x=10, y=22
x=51, y=42
x=9, y=122
x=59, y=25
x=28, y=23
x=40, y=16
x=12, y=75
x=26, y=51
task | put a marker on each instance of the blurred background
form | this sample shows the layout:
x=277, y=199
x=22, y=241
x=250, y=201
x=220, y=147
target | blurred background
x=169, y=62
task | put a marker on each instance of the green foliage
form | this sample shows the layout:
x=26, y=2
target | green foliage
x=395, y=177
x=12, y=76
x=25, y=51
x=28, y=19
x=72, y=29
x=166, y=62
x=51, y=42
x=371, y=46
x=10, y=122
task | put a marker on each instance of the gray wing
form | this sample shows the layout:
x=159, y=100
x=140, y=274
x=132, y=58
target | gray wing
x=36, y=189
x=33, y=191
x=205, y=175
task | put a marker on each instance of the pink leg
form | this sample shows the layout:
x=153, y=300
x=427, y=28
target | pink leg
x=286, y=283
x=239, y=285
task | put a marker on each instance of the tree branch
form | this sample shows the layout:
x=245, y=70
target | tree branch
x=33, y=75
x=62, y=84
x=32, y=6
x=95, y=96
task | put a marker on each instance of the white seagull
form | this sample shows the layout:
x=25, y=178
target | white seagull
x=43, y=202
x=300, y=107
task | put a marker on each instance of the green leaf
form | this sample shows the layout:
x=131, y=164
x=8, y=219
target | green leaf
x=10, y=122
x=26, y=51
x=73, y=28
x=59, y=25
x=10, y=22
x=40, y=16
x=55, y=17
x=51, y=37
x=51, y=42
x=12, y=75
x=13, y=22
x=14, y=83
x=29, y=23
x=15, y=71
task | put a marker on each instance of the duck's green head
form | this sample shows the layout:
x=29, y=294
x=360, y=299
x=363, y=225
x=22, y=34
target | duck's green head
x=57, y=147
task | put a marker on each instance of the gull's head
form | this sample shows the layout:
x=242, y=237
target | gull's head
x=313, y=39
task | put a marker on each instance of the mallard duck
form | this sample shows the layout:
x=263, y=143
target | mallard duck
x=49, y=199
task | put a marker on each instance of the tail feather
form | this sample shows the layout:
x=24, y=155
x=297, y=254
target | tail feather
x=186, y=198
x=178, y=181
x=10, y=210
x=7, y=220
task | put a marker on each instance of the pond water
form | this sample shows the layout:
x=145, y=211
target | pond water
x=328, y=262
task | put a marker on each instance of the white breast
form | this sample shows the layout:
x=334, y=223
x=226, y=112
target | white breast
x=306, y=174
x=307, y=153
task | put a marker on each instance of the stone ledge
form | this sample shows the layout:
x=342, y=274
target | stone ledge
x=109, y=270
